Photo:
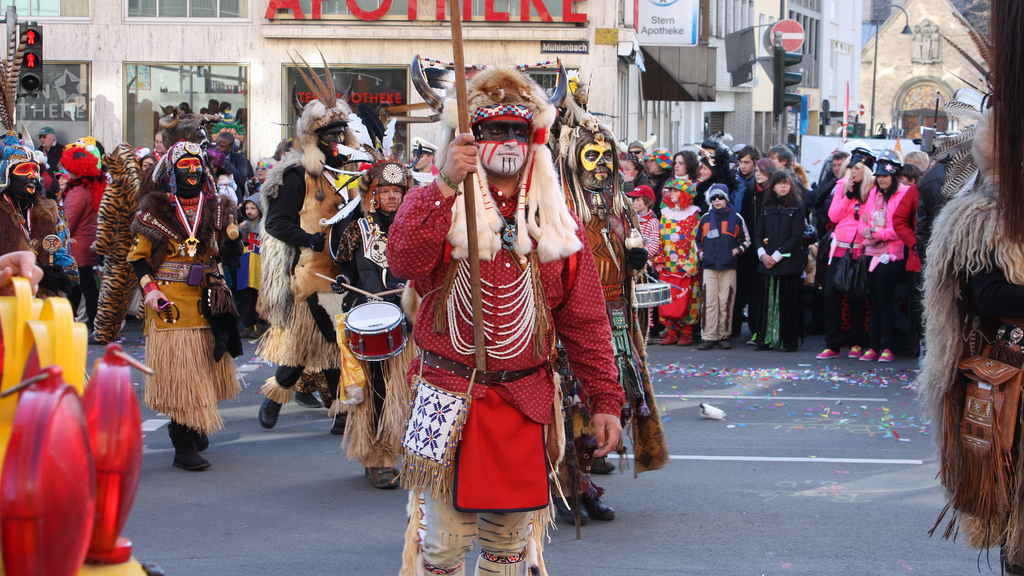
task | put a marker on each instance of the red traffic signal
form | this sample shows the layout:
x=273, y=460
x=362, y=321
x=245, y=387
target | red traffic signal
x=30, y=80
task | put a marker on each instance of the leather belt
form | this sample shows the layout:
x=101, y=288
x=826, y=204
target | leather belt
x=179, y=271
x=486, y=377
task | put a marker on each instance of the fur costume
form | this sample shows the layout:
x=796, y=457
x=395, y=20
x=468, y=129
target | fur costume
x=113, y=239
x=608, y=219
x=293, y=338
x=182, y=343
x=541, y=212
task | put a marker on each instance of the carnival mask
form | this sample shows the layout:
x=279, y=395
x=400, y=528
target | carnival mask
x=188, y=172
x=329, y=142
x=596, y=160
x=23, y=181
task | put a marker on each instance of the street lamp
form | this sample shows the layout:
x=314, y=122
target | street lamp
x=874, y=72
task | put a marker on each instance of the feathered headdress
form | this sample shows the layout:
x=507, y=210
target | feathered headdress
x=963, y=164
x=378, y=142
x=12, y=151
x=326, y=110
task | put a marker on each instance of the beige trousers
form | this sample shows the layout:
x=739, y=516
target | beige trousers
x=719, y=296
x=449, y=537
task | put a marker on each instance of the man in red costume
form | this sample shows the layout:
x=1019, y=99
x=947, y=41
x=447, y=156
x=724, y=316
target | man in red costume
x=538, y=277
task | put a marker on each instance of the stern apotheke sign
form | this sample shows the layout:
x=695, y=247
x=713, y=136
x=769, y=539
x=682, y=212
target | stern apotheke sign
x=666, y=22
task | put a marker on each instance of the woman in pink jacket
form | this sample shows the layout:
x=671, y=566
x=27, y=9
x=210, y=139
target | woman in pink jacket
x=887, y=252
x=848, y=198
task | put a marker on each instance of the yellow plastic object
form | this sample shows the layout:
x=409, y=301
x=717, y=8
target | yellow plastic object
x=129, y=568
x=351, y=371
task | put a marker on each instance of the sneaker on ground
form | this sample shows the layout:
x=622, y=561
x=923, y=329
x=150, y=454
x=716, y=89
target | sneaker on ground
x=855, y=352
x=869, y=356
x=887, y=356
x=827, y=354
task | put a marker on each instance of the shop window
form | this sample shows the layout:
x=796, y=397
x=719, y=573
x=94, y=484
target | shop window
x=154, y=90
x=62, y=104
x=377, y=87
x=187, y=8
x=29, y=9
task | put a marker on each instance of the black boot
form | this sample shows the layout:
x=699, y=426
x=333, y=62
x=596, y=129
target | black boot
x=596, y=509
x=338, y=428
x=268, y=413
x=186, y=456
x=202, y=441
x=307, y=400
x=566, y=515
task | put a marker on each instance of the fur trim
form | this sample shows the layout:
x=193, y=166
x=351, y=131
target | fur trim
x=275, y=392
x=964, y=242
x=543, y=213
x=276, y=301
x=311, y=157
x=156, y=201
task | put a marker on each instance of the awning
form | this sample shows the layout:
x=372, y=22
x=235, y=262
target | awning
x=679, y=73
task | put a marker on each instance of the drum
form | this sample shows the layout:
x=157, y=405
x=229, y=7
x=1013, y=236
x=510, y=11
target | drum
x=653, y=294
x=375, y=331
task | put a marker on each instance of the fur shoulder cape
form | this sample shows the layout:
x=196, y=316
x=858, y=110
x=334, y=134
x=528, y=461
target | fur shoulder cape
x=966, y=239
x=157, y=220
x=276, y=300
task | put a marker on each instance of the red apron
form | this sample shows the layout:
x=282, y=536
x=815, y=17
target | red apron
x=500, y=464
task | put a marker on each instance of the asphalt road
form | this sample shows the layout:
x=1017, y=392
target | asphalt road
x=819, y=468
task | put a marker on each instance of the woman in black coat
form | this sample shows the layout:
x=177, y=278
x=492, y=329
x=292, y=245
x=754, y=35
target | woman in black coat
x=779, y=238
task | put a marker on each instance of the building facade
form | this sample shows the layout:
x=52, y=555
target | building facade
x=917, y=72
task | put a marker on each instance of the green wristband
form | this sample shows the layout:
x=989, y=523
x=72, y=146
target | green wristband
x=449, y=182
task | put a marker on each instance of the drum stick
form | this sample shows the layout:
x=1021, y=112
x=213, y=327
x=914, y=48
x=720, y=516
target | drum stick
x=349, y=286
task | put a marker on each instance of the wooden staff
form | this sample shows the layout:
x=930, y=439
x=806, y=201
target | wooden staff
x=462, y=99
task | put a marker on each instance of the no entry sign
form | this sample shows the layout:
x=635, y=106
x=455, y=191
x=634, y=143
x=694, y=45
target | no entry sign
x=792, y=34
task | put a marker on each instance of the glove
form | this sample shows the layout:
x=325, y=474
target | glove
x=337, y=287
x=317, y=242
x=55, y=279
x=637, y=258
x=355, y=395
x=849, y=193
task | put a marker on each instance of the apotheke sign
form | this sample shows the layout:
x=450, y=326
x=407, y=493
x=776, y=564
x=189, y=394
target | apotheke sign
x=666, y=22
x=559, y=11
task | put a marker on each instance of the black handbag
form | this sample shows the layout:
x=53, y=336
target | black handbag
x=851, y=276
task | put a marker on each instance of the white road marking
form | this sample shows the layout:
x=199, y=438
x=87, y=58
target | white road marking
x=794, y=459
x=153, y=424
x=766, y=397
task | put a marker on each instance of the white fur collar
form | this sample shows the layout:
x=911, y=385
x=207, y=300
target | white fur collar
x=542, y=212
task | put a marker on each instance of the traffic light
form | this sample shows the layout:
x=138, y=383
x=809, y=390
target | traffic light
x=30, y=82
x=783, y=79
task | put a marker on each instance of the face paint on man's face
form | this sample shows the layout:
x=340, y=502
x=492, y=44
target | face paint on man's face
x=503, y=158
x=188, y=172
x=329, y=142
x=596, y=159
x=24, y=179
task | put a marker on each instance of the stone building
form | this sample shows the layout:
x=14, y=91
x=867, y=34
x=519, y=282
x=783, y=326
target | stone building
x=916, y=72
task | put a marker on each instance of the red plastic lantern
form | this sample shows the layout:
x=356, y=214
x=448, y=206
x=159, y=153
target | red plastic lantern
x=48, y=483
x=115, y=434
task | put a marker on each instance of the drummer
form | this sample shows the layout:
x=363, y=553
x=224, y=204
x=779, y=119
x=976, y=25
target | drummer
x=375, y=425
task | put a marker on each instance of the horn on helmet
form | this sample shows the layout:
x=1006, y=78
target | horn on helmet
x=419, y=80
x=171, y=122
x=651, y=142
x=295, y=99
x=562, y=89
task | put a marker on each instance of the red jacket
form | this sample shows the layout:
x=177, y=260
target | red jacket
x=416, y=251
x=904, y=221
x=83, y=221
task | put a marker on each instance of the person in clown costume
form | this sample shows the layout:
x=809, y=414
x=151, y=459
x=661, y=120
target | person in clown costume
x=678, y=263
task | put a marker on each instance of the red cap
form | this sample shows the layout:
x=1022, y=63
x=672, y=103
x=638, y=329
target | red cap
x=642, y=190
